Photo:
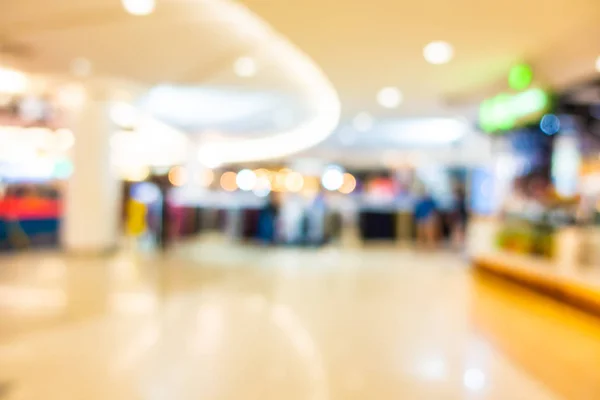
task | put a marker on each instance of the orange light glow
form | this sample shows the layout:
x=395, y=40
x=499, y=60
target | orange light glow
x=349, y=184
x=294, y=182
x=228, y=181
x=178, y=176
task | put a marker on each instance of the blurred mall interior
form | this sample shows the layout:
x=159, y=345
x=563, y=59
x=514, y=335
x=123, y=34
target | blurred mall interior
x=312, y=200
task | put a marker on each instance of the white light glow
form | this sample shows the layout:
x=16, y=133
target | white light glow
x=333, y=178
x=422, y=131
x=139, y=7
x=151, y=144
x=245, y=67
x=145, y=192
x=294, y=182
x=65, y=139
x=389, y=97
x=363, y=122
x=124, y=115
x=262, y=187
x=71, y=96
x=135, y=173
x=32, y=108
x=438, y=52
x=474, y=379
x=13, y=82
x=246, y=180
x=598, y=64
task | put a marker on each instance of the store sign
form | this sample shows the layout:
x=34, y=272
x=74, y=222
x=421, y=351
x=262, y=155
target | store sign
x=507, y=111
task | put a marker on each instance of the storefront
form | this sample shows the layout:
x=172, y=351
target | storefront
x=543, y=233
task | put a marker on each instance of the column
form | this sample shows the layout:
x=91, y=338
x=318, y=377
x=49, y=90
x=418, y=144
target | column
x=92, y=199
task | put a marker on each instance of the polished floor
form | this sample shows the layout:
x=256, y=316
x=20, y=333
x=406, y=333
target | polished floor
x=213, y=321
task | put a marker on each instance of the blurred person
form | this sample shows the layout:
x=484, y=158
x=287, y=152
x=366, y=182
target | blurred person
x=426, y=218
x=460, y=216
x=267, y=221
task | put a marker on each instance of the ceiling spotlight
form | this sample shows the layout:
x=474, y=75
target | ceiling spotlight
x=363, y=122
x=245, y=67
x=389, y=97
x=438, y=52
x=139, y=7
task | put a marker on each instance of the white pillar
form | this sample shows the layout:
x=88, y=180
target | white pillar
x=92, y=199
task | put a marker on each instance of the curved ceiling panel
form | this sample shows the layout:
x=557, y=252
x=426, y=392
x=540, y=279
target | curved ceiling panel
x=183, y=43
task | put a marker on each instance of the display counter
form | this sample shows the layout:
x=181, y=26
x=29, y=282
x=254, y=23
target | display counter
x=570, y=273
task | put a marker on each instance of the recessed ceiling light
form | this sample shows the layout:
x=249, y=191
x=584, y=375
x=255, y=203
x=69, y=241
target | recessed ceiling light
x=389, y=97
x=139, y=7
x=245, y=67
x=438, y=52
x=363, y=122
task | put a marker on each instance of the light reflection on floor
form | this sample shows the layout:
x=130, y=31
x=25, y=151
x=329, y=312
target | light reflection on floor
x=216, y=321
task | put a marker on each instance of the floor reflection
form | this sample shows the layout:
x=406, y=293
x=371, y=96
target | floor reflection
x=294, y=324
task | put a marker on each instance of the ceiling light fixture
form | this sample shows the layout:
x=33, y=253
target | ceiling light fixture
x=139, y=7
x=598, y=64
x=306, y=79
x=245, y=67
x=389, y=97
x=438, y=52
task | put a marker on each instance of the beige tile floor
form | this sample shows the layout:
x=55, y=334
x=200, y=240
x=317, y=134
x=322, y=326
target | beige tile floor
x=222, y=322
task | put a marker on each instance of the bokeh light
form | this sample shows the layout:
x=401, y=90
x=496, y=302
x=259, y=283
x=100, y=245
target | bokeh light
x=349, y=184
x=363, y=122
x=389, y=97
x=12, y=82
x=550, y=124
x=139, y=7
x=245, y=67
x=135, y=174
x=246, y=179
x=262, y=187
x=438, y=52
x=63, y=169
x=178, y=176
x=206, y=177
x=228, y=181
x=145, y=192
x=311, y=185
x=520, y=77
x=474, y=379
x=333, y=178
x=294, y=181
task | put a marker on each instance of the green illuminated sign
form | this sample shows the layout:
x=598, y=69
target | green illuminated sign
x=507, y=111
x=520, y=77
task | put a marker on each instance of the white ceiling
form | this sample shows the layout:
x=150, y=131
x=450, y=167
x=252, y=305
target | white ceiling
x=360, y=45
x=363, y=46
